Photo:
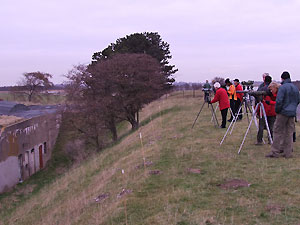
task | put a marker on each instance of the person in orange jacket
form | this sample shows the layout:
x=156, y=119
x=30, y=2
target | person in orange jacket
x=221, y=97
x=232, y=97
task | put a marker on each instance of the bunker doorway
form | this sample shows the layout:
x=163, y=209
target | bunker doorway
x=41, y=156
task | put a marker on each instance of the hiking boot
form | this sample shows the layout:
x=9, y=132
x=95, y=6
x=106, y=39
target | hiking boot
x=271, y=155
x=287, y=156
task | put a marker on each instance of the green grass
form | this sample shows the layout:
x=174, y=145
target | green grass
x=174, y=196
x=40, y=98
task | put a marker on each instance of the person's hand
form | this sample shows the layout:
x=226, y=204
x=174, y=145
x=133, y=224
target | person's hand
x=267, y=102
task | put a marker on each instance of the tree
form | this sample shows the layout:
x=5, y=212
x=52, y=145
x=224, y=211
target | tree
x=125, y=83
x=221, y=80
x=146, y=43
x=34, y=82
x=87, y=112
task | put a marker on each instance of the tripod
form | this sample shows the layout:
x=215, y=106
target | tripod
x=262, y=110
x=246, y=103
x=207, y=99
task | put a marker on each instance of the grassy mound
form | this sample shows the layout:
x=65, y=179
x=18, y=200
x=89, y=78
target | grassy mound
x=188, y=178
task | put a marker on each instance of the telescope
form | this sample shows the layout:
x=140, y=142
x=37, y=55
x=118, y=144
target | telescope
x=253, y=93
x=258, y=95
x=206, y=89
x=248, y=85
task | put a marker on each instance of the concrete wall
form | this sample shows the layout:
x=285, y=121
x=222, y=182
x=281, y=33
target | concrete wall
x=26, y=147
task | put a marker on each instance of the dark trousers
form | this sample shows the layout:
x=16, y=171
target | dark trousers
x=237, y=106
x=262, y=126
x=224, y=117
x=232, y=107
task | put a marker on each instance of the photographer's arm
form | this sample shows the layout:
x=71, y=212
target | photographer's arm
x=216, y=98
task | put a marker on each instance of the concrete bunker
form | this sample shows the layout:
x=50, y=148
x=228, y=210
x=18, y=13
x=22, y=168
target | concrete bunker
x=27, y=137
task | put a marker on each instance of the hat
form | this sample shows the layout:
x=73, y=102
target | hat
x=237, y=80
x=285, y=75
x=217, y=85
x=227, y=81
x=268, y=79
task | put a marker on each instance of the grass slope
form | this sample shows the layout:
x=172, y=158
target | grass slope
x=174, y=196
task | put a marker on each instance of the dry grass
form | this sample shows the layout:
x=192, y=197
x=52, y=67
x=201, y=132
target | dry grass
x=174, y=196
x=8, y=120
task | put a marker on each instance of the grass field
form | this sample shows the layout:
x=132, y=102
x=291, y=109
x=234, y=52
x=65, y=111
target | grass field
x=41, y=98
x=174, y=195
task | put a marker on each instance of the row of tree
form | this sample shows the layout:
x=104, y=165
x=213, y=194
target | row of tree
x=118, y=82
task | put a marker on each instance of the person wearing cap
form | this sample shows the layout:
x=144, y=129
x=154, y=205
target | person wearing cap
x=232, y=97
x=221, y=97
x=239, y=100
x=287, y=101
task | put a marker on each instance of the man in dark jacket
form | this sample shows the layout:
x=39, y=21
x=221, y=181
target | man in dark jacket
x=286, y=106
x=207, y=90
x=271, y=120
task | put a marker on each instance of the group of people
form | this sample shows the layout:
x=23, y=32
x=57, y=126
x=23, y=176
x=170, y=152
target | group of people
x=280, y=106
x=229, y=99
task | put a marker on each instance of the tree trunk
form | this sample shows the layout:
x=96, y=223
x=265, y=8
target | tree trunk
x=133, y=120
x=113, y=129
x=134, y=125
x=114, y=133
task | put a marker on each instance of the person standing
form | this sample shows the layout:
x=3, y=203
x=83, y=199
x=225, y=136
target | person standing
x=207, y=90
x=286, y=106
x=263, y=84
x=221, y=97
x=269, y=102
x=269, y=113
x=238, y=87
x=232, y=97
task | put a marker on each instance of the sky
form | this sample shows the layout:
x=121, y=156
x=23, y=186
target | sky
x=226, y=38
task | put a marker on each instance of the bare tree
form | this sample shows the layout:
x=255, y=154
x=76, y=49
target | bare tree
x=88, y=112
x=34, y=82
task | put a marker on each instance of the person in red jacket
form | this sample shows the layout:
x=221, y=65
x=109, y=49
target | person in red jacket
x=238, y=87
x=221, y=97
x=269, y=102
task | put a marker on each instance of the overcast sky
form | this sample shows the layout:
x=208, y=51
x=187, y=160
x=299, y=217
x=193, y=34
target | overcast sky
x=229, y=38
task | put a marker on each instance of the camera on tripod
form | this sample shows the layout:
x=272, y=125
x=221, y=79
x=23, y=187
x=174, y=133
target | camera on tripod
x=258, y=95
x=206, y=94
x=248, y=85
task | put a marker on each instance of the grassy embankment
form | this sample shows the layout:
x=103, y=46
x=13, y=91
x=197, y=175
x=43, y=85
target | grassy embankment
x=174, y=196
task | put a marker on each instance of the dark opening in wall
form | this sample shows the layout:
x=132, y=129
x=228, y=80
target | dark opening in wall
x=45, y=147
x=20, y=161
